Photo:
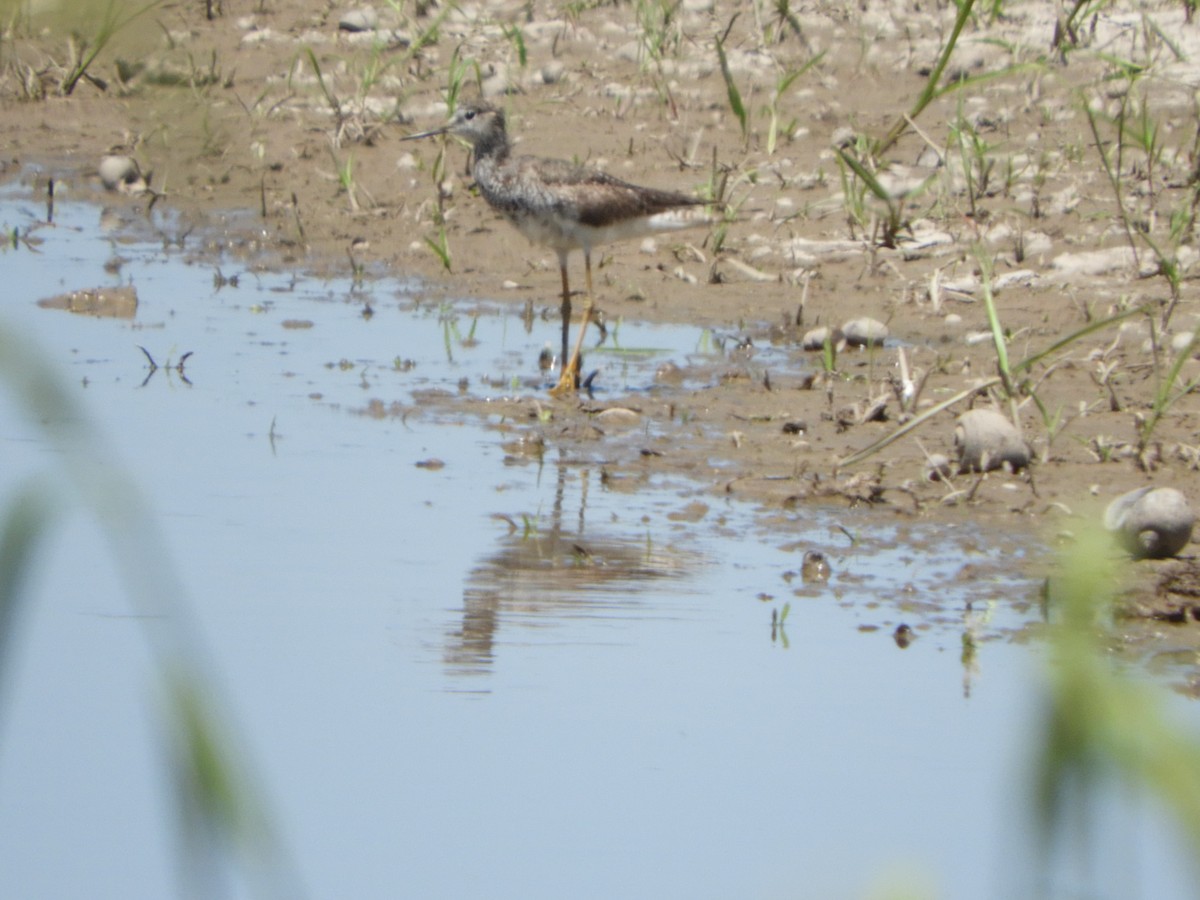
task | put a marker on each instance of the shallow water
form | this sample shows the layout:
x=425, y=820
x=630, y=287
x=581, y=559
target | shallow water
x=463, y=671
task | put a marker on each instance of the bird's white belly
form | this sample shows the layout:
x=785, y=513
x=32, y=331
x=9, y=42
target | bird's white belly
x=563, y=235
x=546, y=231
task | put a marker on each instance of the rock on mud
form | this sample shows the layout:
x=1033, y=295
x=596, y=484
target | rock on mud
x=986, y=440
x=1151, y=522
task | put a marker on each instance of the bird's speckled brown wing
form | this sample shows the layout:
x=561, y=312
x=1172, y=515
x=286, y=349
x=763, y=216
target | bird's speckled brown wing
x=534, y=186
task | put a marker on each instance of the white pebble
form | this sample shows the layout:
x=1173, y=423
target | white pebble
x=359, y=20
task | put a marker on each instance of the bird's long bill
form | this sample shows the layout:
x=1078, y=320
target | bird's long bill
x=424, y=134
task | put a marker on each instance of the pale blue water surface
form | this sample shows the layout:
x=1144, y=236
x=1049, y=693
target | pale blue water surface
x=441, y=706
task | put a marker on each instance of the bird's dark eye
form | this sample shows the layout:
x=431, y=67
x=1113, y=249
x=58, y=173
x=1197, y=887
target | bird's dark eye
x=469, y=115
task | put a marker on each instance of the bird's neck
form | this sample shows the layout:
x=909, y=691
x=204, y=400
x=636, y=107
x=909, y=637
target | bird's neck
x=492, y=147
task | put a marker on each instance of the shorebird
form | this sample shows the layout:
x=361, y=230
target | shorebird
x=563, y=206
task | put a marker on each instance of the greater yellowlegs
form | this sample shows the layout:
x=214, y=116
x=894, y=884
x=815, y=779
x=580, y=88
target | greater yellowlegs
x=563, y=206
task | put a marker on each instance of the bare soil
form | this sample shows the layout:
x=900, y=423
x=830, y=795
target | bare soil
x=269, y=125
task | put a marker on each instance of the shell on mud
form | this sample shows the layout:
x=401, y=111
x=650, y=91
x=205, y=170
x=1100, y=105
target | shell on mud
x=1151, y=522
x=985, y=440
x=815, y=338
x=121, y=173
x=937, y=467
x=865, y=332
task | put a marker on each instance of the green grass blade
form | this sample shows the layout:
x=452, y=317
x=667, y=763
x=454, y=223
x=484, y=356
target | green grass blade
x=1021, y=366
x=27, y=518
x=931, y=84
x=866, y=176
x=731, y=88
x=914, y=423
x=1099, y=325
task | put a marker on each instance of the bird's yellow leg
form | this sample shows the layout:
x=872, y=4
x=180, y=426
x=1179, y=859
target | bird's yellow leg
x=570, y=373
x=566, y=307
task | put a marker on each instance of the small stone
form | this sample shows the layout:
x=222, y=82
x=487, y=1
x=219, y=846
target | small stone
x=1180, y=341
x=630, y=51
x=842, y=137
x=552, y=72
x=1018, y=277
x=258, y=36
x=498, y=83
x=359, y=20
x=986, y=440
x=1093, y=263
x=618, y=417
x=1151, y=522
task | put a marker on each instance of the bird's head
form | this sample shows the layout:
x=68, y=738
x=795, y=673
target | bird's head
x=475, y=122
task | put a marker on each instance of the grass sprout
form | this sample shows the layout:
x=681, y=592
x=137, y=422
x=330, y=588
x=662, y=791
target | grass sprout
x=731, y=89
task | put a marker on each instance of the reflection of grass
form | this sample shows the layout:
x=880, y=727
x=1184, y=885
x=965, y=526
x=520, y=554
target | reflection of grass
x=221, y=814
x=779, y=625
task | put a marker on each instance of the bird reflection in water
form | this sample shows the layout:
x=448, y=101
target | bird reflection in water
x=551, y=569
